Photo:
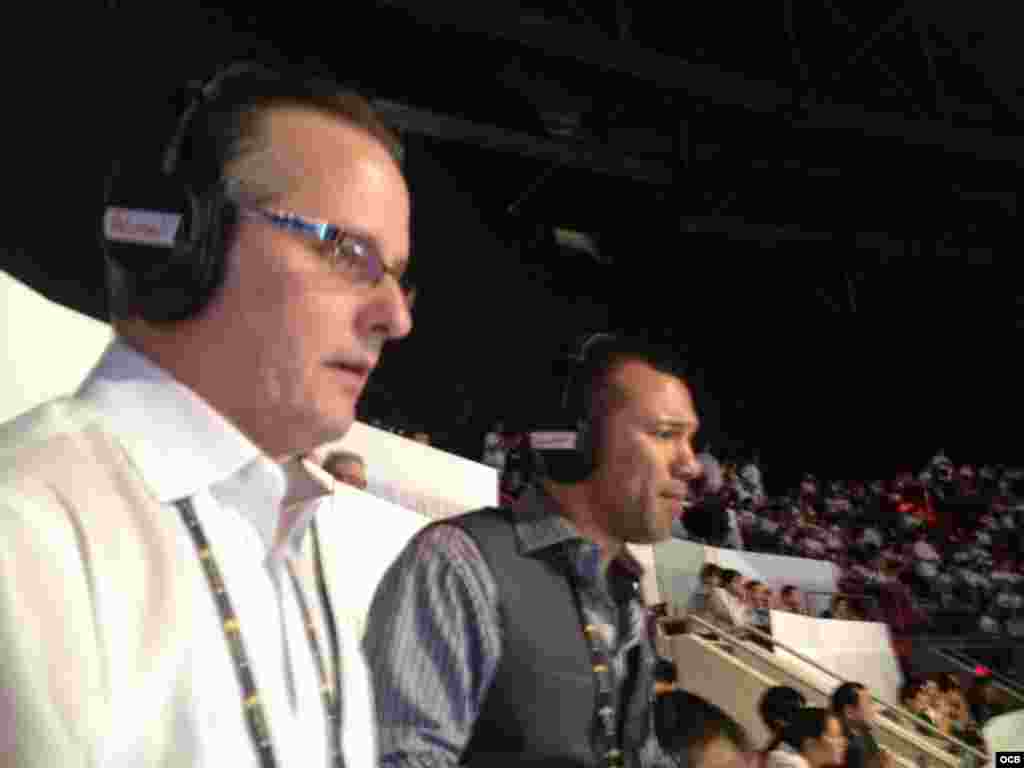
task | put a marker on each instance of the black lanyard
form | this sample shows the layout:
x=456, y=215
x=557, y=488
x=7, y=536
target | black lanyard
x=608, y=744
x=252, y=705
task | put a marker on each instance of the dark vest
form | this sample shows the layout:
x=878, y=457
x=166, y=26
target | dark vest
x=540, y=708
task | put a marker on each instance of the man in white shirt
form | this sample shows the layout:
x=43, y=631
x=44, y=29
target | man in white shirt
x=148, y=614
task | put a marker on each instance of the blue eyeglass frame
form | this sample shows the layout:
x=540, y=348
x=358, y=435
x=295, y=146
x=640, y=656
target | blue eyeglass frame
x=325, y=232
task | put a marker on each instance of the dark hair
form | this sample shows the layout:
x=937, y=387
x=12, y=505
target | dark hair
x=911, y=689
x=949, y=681
x=846, y=695
x=728, y=575
x=709, y=570
x=807, y=723
x=777, y=706
x=665, y=671
x=787, y=590
x=606, y=355
x=685, y=722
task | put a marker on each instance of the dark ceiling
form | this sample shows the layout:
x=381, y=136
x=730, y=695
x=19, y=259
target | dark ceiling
x=816, y=201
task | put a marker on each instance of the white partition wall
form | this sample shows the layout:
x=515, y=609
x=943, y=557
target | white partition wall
x=807, y=575
x=679, y=563
x=859, y=651
x=45, y=349
x=1006, y=732
x=419, y=477
x=361, y=536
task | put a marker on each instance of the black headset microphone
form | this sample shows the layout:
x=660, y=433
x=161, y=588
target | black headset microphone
x=166, y=224
x=565, y=450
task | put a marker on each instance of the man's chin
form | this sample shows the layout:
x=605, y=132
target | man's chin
x=334, y=428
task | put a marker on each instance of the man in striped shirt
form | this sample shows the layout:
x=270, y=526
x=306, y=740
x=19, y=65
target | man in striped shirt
x=493, y=634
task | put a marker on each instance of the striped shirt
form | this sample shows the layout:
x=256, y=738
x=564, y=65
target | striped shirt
x=434, y=637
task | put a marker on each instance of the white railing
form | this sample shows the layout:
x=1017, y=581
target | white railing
x=738, y=635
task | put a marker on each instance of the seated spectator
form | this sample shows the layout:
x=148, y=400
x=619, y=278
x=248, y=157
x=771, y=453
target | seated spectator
x=917, y=702
x=697, y=734
x=666, y=676
x=870, y=541
x=987, y=622
x=726, y=603
x=790, y=600
x=347, y=467
x=834, y=541
x=840, y=609
x=853, y=705
x=982, y=700
x=923, y=551
x=494, y=449
x=777, y=707
x=814, y=739
x=760, y=613
x=896, y=601
x=710, y=576
x=961, y=721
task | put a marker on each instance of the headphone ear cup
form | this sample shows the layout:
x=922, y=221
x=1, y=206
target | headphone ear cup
x=180, y=286
x=217, y=221
x=585, y=446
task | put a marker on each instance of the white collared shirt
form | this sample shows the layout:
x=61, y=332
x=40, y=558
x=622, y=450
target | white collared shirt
x=182, y=448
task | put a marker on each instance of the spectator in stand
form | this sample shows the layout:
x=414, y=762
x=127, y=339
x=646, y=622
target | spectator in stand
x=750, y=484
x=936, y=703
x=760, y=612
x=666, y=677
x=814, y=739
x=925, y=560
x=494, y=449
x=987, y=622
x=697, y=734
x=853, y=705
x=727, y=604
x=841, y=609
x=982, y=700
x=699, y=601
x=347, y=467
x=917, y=700
x=962, y=723
x=777, y=707
x=790, y=600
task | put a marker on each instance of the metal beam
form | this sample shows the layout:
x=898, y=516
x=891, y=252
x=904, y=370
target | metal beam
x=599, y=159
x=705, y=82
x=586, y=47
x=740, y=229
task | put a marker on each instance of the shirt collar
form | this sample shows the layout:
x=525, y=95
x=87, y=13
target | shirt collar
x=178, y=443
x=540, y=525
x=310, y=489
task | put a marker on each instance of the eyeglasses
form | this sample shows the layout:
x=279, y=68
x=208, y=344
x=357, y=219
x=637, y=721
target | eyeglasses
x=351, y=254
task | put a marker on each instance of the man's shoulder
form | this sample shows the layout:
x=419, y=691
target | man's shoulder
x=456, y=534
x=51, y=440
x=34, y=429
x=60, y=466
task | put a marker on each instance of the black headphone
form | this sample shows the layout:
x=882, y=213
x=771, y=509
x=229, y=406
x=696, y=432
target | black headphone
x=167, y=232
x=567, y=453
